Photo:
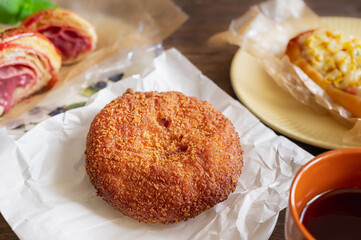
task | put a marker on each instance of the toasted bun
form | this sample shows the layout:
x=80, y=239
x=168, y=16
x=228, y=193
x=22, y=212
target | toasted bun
x=162, y=157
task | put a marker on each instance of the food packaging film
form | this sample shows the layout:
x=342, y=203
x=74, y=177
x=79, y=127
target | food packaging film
x=128, y=26
x=45, y=192
x=264, y=32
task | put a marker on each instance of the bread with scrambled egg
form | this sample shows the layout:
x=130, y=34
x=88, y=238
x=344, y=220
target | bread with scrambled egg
x=333, y=61
x=162, y=157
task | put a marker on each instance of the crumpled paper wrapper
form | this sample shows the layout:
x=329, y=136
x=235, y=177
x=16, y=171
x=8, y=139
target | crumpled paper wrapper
x=264, y=32
x=119, y=24
x=45, y=192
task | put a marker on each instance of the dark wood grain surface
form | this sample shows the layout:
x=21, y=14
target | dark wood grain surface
x=207, y=17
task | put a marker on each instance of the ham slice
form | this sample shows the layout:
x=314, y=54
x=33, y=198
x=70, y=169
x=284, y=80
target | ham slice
x=71, y=34
x=12, y=77
x=29, y=64
x=67, y=40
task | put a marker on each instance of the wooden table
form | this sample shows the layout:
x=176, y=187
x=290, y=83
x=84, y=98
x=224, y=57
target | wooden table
x=207, y=17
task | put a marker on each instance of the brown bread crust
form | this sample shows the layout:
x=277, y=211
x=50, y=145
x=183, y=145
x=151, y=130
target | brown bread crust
x=162, y=157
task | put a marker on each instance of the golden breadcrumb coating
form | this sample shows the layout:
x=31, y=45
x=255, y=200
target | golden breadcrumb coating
x=162, y=157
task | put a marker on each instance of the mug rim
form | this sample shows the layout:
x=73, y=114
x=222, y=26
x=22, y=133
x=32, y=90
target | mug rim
x=316, y=159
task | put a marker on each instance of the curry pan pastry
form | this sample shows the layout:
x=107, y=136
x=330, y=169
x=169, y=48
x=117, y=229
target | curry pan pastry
x=162, y=157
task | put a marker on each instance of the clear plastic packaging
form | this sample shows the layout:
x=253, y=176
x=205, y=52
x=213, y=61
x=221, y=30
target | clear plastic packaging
x=285, y=19
x=129, y=32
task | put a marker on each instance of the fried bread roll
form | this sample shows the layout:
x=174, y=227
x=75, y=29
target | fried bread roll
x=333, y=61
x=162, y=157
x=70, y=33
x=29, y=62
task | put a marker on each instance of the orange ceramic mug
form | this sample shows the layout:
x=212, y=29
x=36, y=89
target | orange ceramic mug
x=336, y=169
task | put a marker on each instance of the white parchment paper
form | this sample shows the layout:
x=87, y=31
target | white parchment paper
x=45, y=192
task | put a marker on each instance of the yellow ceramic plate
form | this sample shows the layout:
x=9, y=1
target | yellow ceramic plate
x=278, y=109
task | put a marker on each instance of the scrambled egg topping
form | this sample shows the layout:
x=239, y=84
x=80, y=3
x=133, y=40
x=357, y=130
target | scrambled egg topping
x=336, y=57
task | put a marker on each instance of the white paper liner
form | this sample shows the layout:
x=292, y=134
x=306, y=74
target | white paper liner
x=45, y=192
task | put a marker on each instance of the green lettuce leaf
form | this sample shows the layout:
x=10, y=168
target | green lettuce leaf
x=13, y=11
x=31, y=6
x=9, y=10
